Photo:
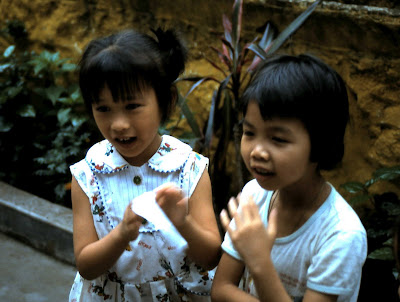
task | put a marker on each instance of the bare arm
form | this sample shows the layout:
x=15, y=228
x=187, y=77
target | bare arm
x=199, y=226
x=226, y=281
x=93, y=256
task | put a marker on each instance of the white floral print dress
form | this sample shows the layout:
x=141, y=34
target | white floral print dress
x=152, y=268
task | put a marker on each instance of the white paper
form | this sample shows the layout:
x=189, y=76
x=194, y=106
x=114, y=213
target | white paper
x=146, y=206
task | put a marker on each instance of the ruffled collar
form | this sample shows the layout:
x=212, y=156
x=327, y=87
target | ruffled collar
x=170, y=156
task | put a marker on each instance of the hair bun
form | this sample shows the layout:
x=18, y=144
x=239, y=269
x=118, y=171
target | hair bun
x=174, y=52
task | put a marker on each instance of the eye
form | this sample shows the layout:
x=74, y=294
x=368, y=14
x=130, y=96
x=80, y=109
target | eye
x=131, y=106
x=279, y=139
x=102, y=109
x=247, y=132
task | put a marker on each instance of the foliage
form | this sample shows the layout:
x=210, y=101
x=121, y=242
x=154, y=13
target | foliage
x=43, y=127
x=380, y=213
x=225, y=109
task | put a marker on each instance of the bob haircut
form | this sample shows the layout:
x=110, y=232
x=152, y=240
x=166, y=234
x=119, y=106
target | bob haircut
x=305, y=88
x=129, y=63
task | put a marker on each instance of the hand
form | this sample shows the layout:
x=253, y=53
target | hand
x=251, y=239
x=130, y=224
x=173, y=203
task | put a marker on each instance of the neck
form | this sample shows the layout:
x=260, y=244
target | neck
x=303, y=196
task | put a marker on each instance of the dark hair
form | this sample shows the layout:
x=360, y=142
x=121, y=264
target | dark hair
x=129, y=62
x=305, y=88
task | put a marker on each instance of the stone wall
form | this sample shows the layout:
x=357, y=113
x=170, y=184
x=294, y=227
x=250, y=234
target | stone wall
x=361, y=42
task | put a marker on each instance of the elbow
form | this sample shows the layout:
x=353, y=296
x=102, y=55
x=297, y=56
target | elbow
x=87, y=272
x=214, y=261
x=88, y=275
x=215, y=294
x=211, y=261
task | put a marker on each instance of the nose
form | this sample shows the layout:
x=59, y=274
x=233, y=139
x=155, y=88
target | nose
x=119, y=123
x=259, y=152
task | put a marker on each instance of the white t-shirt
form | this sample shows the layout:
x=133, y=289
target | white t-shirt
x=326, y=254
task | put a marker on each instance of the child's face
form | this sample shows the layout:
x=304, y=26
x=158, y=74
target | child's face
x=276, y=151
x=131, y=126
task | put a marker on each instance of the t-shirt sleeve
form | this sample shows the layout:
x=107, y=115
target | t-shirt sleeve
x=337, y=265
x=227, y=245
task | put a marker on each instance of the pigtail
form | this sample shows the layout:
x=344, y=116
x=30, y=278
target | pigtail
x=174, y=52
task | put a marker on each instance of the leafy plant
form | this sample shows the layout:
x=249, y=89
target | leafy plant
x=381, y=212
x=225, y=109
x=43, y=127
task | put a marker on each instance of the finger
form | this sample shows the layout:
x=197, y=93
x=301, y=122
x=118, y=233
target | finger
x=239, y=198
x=252, y=208
x=164, y=187
x=182, y=202
x=224, y=219
x=245, y=210
x=232, y=206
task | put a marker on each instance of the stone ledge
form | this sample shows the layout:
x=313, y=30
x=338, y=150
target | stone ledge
x=43, y=225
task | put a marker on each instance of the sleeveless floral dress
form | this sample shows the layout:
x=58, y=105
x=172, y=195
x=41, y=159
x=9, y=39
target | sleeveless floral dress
x=154, y=267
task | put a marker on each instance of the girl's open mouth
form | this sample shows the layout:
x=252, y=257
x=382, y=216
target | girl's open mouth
x=125, y=140
x=263, y=172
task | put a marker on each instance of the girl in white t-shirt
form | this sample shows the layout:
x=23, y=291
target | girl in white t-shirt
x=125, y=247
x=294, y=238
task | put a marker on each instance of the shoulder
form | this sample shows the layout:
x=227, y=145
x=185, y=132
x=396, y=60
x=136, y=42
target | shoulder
x=260, y=195
x=103, y=158
x=171, y=155
x=342, y=214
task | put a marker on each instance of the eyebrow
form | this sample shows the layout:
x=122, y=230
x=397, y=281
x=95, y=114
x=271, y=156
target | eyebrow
x=279, y=129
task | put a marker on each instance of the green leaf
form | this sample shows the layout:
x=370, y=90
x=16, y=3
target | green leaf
x=291, y=29
x=195, y=85
x=13, y=91
x=359, y=198
x=267, y=37
x=353, y=186
x=236, y=27
x=370, y=182
x=258, y=51
x=227, y=28
x=5, y=126
x=3, y=67
x=387, y=173
x=27, y=111
x=189, y=116
x=9, y=50
x=68, y=67
x=53, y=93
x=384, y=253
x=78, y=121
x=63, y=116
x=39, y=66
x=214, y=105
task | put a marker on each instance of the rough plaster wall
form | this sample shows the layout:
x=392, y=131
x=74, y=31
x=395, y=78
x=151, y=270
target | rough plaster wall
x=361, y=43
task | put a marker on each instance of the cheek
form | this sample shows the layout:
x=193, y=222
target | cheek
x=244, y=150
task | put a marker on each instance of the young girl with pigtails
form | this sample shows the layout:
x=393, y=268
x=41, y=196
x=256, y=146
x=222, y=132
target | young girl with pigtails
x=144, y=227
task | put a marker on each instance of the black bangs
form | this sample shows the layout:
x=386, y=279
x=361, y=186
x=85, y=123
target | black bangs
x=124, y=74
x=278, y=93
